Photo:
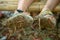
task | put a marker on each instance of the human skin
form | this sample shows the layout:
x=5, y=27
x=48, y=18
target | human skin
x=24, y=4
x=51, y=4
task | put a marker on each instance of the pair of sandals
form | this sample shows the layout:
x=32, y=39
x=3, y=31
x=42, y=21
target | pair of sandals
x=47, y=19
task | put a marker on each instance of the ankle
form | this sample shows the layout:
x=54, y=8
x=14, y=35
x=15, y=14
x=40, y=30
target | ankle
x=46, y=12
x=27, y=13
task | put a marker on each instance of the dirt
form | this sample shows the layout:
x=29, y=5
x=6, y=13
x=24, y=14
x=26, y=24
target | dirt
x=35, y=32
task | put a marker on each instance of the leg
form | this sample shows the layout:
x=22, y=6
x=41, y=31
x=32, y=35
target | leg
x=47, y=18
x=21, y=19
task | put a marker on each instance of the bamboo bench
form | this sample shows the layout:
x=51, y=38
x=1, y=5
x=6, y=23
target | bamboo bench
x=11, y=5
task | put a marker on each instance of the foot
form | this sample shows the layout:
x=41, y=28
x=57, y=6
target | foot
x=47, y=19
x=19, y=20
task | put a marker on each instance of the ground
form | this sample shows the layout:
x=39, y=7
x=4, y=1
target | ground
x=35, y=32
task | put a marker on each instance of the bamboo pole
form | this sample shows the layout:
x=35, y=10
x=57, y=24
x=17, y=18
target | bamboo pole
x=9, y=0
x=37, y=6
x=40, y=7
x=18, y=0
x=13, y=6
